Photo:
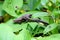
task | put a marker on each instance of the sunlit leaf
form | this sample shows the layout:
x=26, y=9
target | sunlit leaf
x=33, y=4
x=33, y=24
x=15, y=27
x=6, y=32
x=1, y=10
x=52, y=37
x=24, y=35
x=40, y=14
x=10, y=6
x=43, y=2
x=50, y=28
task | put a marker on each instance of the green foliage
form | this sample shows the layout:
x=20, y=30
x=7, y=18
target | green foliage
x=52, y=37
x=15, y=27
x=33, y=4
x=10, y=6
x=50, y=27
x=1, y=10
x=45, y=10
x=6, y=32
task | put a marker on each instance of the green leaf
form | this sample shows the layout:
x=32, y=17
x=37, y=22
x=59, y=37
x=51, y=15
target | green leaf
x=6, y=32
x=43, y=2
x=42, y=15
x=35, y=14
x=17, y=3
x=50, y=28
x=24, y=35
x=33, y=4
x=24, y=25
x=52, y=37
x=10, y=6
x=39, y=14
x=46, y=19
x=33, y=39
x=51, y=20
x=25, y=7
x=15, y=27
x=1, y=10
x=33, y=24
x=55, y=12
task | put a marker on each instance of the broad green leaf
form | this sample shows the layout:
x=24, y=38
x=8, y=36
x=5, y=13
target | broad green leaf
x=34, y=14
x=17, y=4
x=1, y=10
x=52, y=37
x=25, y=7
x=33, y=24
x=55, y=31
x=40, y=14
x=33, y=4
x=6, y=32
x=10, y=5
x=43, y=2
x=33, y=38
x=15, y=27
x=46, y=19
x=24, y=25
x=39, y=7
x=24, y=35
x=50, y=28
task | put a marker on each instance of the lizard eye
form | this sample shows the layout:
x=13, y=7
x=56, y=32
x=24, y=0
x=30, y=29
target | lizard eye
x=30, y=16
